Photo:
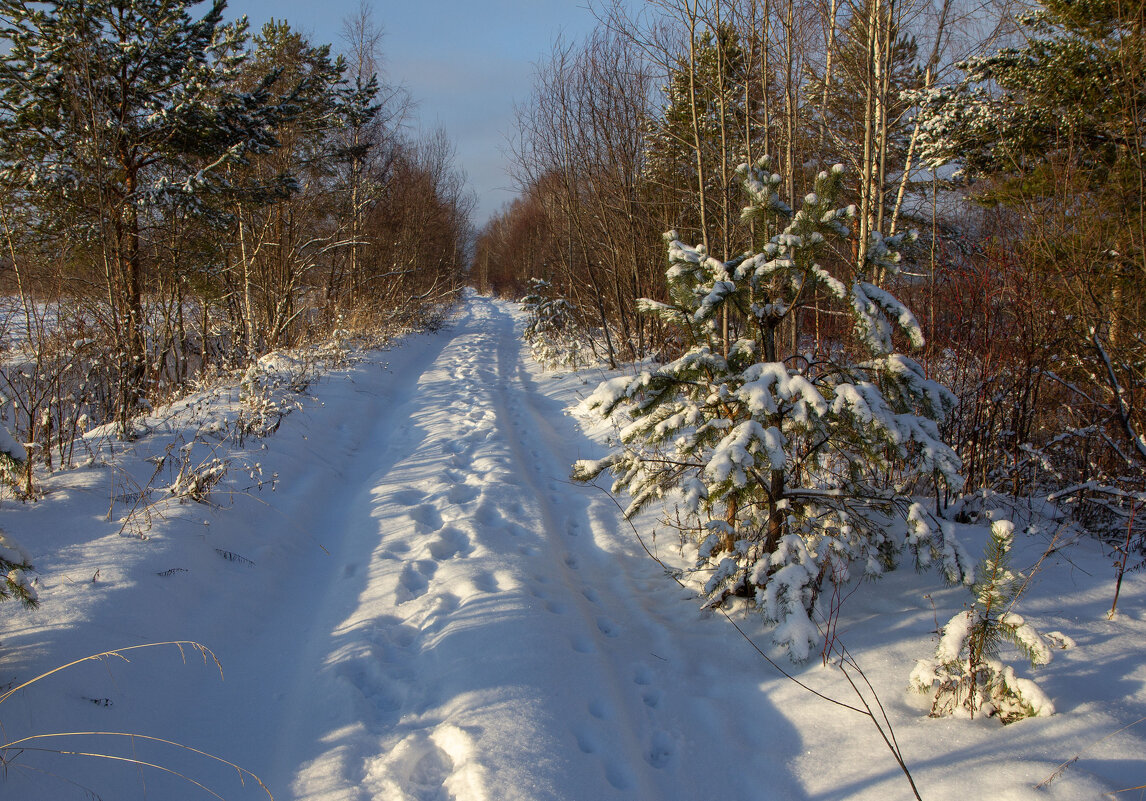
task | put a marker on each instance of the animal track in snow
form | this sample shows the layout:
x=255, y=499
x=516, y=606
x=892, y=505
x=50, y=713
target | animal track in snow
x=586, y=740
x=487, y=514
x=619, y=775
x=485, y=582
x=599, y=709
x=427, y=516
x=652, y=698
x=415, y=580
x=422, y=771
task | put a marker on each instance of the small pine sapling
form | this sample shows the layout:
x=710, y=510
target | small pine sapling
x=965, y=677
x=550, y=329
x=787, y=470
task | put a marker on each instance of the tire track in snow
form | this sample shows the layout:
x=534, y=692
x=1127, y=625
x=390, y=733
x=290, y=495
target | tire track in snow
x=614, y=725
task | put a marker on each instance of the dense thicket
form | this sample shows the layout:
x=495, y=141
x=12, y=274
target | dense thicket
x=1021, y=169
x=178, y=197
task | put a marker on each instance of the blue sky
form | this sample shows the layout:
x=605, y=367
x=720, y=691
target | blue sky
x=464, y=62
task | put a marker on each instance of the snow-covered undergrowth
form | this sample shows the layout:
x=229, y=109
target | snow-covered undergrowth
x=418, y=604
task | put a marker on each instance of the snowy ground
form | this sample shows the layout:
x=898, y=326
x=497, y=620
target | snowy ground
x=426, y=608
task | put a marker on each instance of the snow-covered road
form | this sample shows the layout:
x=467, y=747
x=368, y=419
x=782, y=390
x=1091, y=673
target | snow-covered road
x=483, y=632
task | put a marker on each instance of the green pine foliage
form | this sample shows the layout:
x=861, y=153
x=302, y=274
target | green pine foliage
x=1071, y=88
x=15, y=564
x=787, y=473
x=554, y=338
x=966, y=677
x=725, y=102
x=116, y=115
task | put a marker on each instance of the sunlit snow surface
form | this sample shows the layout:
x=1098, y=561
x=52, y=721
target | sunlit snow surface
x=426, y=608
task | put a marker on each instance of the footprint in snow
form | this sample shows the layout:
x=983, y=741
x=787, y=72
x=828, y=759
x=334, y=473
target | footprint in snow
x=581, y=644
x=415, y=580
x=599, y=709
x=661, y=750
x=408, y=497
x=426, y=516
x=487, y=514
x=485, y=582
x=462, y=493
x=375, y=698
x=452, y=542
x=619, y=775
x=608, y=627
x=429, y=772
x=402, y=636
x=586, y=740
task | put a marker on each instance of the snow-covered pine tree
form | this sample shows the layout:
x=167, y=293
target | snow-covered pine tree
x=965, y=677
x=788, y=473
x=550, y=330
x=112, y=111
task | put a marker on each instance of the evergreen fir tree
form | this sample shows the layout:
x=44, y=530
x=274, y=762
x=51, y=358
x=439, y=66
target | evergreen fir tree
x=550, y=329
x=788, y=473
x=965, y=676
x=718, y=79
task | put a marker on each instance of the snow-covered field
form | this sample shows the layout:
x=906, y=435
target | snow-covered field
x=426, y=608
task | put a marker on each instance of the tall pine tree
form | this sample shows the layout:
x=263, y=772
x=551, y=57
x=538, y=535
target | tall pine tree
x=111, y=111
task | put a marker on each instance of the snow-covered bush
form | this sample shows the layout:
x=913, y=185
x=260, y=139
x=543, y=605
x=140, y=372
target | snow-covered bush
x=788, y=470
x=196, y=479
x=550, y=331
x=267, y=392
x=965, y=677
